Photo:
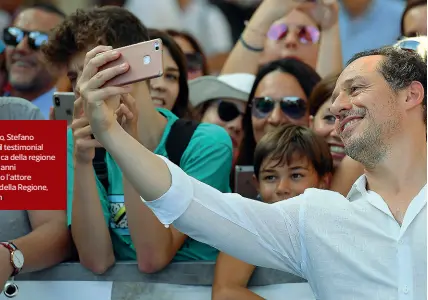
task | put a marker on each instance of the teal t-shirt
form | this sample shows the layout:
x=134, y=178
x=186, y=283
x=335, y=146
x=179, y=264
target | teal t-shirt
x=208, y=158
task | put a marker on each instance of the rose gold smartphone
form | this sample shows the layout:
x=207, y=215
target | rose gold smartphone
x=144, y=59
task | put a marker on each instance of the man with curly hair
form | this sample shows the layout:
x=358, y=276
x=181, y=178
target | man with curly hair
x=101, y=229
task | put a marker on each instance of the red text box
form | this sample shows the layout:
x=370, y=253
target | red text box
x=33, y=165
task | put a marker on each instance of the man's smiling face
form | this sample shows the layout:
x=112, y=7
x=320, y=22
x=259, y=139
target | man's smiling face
x=366, y=109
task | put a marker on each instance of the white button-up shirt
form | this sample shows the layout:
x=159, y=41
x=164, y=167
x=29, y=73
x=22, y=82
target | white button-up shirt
x=347, y=248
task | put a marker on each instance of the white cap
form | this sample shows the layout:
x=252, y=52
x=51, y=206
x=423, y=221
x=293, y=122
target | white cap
x=231, y=86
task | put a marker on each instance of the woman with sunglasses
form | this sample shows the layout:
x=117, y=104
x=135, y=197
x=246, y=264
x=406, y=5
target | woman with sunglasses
x=279, y=96
x=304, y=30
x=171, y=91
x=221, y=100
x=195, y=57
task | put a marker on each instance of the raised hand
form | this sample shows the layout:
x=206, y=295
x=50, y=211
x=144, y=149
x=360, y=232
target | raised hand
x=100, y=103
x=84, y=143
x=324, y=12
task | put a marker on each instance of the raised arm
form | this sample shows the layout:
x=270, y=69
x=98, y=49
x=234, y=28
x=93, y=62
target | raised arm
x=246, y=60
x=233, y=224
x=154, y=244
x=330, y=50
x=238, y=226
x=242, y=59
x=94, y=246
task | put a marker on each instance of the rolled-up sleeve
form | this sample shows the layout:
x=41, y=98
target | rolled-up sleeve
x=262, y=234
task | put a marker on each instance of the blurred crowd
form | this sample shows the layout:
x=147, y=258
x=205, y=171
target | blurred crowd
x=243, y=105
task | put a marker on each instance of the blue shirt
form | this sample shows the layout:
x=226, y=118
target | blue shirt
x=378, y=27
x=45, y=102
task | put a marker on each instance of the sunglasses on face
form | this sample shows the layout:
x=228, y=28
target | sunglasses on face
x=227, y=111
x=194, y=61
x=306, y=34
x=13, y=36
x=293, y=107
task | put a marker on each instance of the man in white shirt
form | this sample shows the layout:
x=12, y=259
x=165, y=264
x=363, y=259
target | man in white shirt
x=370, y=245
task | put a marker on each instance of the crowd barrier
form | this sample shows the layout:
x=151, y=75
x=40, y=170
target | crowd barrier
x=186, y=280
x=178, y=281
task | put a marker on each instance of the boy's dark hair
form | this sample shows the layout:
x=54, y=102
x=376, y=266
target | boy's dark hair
x=283, y=143
x=181, y=107
x=85, y=29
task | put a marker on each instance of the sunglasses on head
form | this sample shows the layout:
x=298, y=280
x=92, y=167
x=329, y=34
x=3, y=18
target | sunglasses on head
x=227, y=111
x=306, y=34
x=12, y=36
x=194, y=61
x=410, y=45
x=293, y=107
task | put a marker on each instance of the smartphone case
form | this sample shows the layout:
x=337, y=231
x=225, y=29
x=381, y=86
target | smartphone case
x=145, y=61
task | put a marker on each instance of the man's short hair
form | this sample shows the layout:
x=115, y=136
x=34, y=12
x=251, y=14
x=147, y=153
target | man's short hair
x=400, y=68
x=86, y=29
x=287, y=141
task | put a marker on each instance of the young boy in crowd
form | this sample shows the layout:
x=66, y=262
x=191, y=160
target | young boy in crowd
x=286, y=162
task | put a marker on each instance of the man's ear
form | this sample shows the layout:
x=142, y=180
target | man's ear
x=415, y=95
x=256, y=184
x=325, y=181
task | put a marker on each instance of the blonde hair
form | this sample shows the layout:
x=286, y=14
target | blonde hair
x=421, y=48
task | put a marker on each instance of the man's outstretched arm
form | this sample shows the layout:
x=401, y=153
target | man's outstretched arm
x=238, y=226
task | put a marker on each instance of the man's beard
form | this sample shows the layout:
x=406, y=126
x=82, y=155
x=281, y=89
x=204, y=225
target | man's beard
x=370, y=147
x=28, y=84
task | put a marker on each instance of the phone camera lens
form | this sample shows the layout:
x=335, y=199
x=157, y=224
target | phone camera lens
x=57, y=102
x=156, y=46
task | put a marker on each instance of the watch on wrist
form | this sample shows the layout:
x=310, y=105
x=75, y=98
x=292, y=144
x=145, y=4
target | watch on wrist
x=16, y=257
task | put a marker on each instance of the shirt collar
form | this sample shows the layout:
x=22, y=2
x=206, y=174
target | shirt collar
x=358, y=188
